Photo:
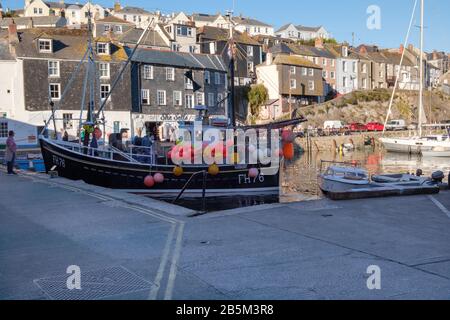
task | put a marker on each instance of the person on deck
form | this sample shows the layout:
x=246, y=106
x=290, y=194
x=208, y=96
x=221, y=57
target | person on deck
x=10, y=155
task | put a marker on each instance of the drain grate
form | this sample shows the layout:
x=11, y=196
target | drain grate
x=95, y=285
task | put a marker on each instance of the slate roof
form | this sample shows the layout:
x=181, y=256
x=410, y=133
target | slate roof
x=36, y=21
x=180, y=59
x=204, y=17
x=113, y=19
x=151, y=38
x=250, y=21
x=285, y=59
x=219, y=34
x=69, y=44
x=133, y=10
x=299, y=28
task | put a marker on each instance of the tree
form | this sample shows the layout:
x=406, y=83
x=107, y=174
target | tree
x=257, y=97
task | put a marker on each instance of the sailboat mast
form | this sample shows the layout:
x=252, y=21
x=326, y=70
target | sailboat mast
x=421, y=69
x=231, y=47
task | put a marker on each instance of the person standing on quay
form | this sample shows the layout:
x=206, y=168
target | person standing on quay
x=10, y=155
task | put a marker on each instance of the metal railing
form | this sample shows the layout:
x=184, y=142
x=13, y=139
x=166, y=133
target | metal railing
x=205, y=174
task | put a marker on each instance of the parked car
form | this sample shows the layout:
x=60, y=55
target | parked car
x=333, y=124
x=396, y=125
x=375, y=126
x=357, y=127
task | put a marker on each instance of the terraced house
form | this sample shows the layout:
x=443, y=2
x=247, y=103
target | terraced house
x=291, y=81
x=43, y=61
x=167, y=85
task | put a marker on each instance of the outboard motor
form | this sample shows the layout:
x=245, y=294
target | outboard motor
x=438, y=176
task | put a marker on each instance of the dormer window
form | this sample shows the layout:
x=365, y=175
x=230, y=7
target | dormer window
x=102, y=48
x=45, y=45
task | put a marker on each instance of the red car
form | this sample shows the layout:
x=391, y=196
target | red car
x=375, y=126
x=357, y=127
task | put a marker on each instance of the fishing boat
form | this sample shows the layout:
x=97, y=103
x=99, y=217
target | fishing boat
x=345, y=182
x=416, y=144
x=140, y=169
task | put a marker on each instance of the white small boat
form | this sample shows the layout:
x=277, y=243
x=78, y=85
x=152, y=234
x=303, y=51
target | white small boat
x=345, y=183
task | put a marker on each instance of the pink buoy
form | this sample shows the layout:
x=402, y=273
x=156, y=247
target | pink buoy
x=149, y=181
x=159, y=178
x=253, y=173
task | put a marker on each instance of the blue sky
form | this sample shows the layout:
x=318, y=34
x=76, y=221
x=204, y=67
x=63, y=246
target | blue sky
x=341, y=17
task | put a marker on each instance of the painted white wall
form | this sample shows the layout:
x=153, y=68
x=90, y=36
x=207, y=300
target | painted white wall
x=268, y=76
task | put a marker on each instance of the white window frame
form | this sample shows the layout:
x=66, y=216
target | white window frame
x=292, y=70
x=217, y=77
x=104, y=45
x=211, y=100
x=148, y=72
x=170, y=74
x=189, y=100
x=311, y=85
x=107, y=70
x=325, y=74
x=188, y=83
x=145, y=97
x=161, y=98
x=207, y=77
x=177, y=95
x=311, y=72
x=103, y=92
x=4, y=129
x=56, y=67
x=249, y=51
x=332, y=75
x=344, y=66
x=118, y=29
x=292, y=83
x=58, y=85
x=45, y=42
x=304, y=71
x=200, y=98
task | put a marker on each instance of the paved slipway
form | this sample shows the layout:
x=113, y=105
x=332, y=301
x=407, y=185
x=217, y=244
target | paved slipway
x=131, y=247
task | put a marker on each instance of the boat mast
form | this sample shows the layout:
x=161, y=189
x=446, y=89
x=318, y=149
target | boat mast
x=421, y=69
x=231, y=48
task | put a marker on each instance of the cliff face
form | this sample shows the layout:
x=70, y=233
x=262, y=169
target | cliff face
x=372, y=106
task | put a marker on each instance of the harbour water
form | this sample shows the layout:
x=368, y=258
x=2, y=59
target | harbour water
x=299, y=177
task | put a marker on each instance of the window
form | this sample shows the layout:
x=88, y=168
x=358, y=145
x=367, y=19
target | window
x=45, y=45
x=354, y=67
x=332, y=63
x=200, y=97
x=188, y=84
x=55, y=91
x=304, y=71
x=192, y=49
x=116, y=126
x=67, y=121
x=249, y=68
x=102, y=48
x=344, y=66
x=148, y=72
x=311, y=72
x=293, y=84
x=217, y=78
x=35, y=11
x=219, y=99
x=104, y=70
x=364, y=83
x=364, y=68
x=175, y=47
x=189, y=99
x=184, y=31
x=177, y=100
x=41, y=11
x=311, y=85
x=344, y=81
x=170, y=74
x=249, y=51
x=292, y=70
x=161, y=97
x=104, y=91
x=324, y=62
x=3, y=129
x=207, y=77
x=211, y=100
x=118, y=29
x=107, y=28
x=325, y=74
x=332, y=75
x=145, y=96
x=53, y=68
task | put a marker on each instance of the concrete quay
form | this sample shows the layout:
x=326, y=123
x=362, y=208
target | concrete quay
x=131, y=247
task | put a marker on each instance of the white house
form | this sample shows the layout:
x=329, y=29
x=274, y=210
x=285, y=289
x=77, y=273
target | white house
x=293, y=32
x=253, y=27
x=138, y=16
x=208, y=20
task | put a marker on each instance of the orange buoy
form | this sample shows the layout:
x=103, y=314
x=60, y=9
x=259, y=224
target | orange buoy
x=288, y=150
